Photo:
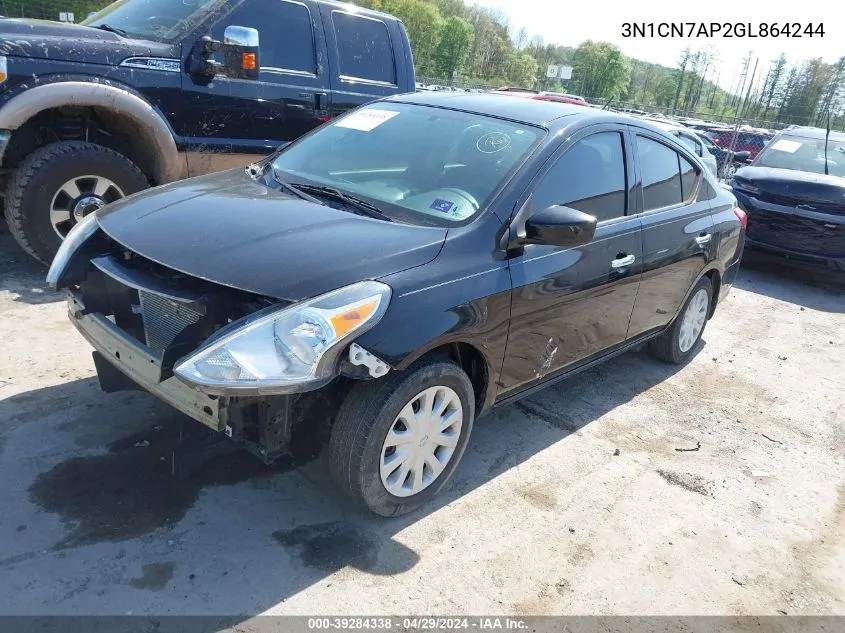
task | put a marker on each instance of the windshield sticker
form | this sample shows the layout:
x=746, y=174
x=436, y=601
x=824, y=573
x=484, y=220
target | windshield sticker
x=786, y=146
x=444, y=206
x=366, y=120
x=493, y=142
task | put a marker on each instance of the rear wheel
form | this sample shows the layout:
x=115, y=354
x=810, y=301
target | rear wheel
x=397, y=441
x=57, y=185
x=677, y=343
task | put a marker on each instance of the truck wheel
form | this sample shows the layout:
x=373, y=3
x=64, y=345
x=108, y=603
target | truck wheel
x=57, y=185
x=676, y=344
x=396, y=441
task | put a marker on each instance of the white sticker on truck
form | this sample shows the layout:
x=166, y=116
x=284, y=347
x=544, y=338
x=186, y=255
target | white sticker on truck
x=786, y=146
x=366, y=120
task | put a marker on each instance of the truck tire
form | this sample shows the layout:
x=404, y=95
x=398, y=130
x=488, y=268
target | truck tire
x=56, y=185
x=387, y=429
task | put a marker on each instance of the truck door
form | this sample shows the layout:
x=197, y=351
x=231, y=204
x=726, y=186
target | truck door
x=233, y=121
x=367, y=58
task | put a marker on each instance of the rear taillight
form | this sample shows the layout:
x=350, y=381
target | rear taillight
x=741, y=215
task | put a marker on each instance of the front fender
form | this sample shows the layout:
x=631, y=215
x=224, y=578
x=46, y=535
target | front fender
x=53, y=93
x=463, y=296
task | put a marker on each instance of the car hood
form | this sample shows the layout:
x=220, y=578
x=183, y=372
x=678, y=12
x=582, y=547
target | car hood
x=42, y=39
x=789, y=186
x=236, y=231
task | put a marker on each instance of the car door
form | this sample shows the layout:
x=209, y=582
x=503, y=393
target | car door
x=366, y=57
x=232, y=121
x=677, y=228
x=569, y=305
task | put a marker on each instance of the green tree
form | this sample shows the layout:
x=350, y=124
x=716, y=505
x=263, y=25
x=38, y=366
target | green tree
x=522, y=70
x=453, y=45
x=601, y=70
x=422, y=21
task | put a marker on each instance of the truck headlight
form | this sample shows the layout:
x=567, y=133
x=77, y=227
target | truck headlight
x=290, y=349
x=75, y=238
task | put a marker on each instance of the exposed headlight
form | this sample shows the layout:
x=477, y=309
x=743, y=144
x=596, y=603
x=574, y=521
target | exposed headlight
x=75, y=238
x=287, y=350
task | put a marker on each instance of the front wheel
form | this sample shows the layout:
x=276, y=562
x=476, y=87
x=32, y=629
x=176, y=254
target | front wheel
x=396, y=441
x=57, y=185
x=676, y=344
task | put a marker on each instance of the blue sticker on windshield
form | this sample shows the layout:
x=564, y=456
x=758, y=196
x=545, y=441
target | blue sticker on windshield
x=444, y=206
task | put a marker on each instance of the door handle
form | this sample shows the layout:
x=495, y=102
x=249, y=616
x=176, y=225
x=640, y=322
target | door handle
x=623, y=262
x=701, y=240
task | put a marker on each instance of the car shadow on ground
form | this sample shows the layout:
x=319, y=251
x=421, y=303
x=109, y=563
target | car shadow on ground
x=810, y=286
x=119, y=486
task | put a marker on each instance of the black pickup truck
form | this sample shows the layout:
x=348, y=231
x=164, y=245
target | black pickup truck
x=151, y=91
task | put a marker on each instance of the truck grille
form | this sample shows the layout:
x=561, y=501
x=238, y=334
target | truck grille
x=163, y=320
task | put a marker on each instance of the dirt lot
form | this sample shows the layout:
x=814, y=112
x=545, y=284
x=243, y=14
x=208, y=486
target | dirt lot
x=543, y=516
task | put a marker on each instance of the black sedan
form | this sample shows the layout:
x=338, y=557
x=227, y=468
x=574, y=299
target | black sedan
x=794, y=195
x=400, y=271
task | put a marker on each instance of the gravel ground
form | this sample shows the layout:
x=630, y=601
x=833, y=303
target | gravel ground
x=636, y=488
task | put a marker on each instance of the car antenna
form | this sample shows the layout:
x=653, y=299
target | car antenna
x=826, y=137
x=607, y=105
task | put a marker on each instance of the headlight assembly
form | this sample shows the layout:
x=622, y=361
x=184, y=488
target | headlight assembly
x=286, y=350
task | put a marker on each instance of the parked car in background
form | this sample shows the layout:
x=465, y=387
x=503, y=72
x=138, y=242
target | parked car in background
x=137, y=96
x=399, y=271
x=794, y=195
x=561, y=98
x=692, y=140
x=743, y=140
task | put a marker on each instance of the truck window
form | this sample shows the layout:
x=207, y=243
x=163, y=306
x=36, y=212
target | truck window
x=285, y=31
x=363, y=48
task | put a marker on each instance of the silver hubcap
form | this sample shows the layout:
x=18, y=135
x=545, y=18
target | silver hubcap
x=77, y=198
x=421, y=441
x=693, y=321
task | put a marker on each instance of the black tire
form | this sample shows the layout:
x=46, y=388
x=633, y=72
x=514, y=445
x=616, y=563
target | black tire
x=40, y=176
x=366, y=416
x=666, y=347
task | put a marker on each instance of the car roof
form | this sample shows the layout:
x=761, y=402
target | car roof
x=354, y=8
x=530, y=111
x=812, y=132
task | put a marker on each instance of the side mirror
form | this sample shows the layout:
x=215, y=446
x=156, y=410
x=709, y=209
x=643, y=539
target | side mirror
x=240, y=55
x=560, y=226
x=240, y=52
x=742, y=157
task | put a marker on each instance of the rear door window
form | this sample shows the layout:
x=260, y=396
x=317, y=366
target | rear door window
x=364, y=48
x=693, y=145
x=661, y=174
x=689, y=178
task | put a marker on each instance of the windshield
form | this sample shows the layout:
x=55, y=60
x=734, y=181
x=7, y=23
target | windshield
x=804, y=154
x=163, y=20
x=441, y=166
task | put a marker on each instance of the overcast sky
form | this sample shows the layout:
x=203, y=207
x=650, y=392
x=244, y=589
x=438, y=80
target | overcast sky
x=570, y=23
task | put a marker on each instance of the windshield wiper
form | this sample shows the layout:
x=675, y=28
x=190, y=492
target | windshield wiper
x=362, y=206
x=294, y=189
x=112, y=29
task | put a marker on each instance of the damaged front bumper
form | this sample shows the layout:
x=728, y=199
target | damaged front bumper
x=137, y=363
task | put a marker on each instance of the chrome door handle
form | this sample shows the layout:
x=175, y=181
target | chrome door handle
x=623, y=262
x=701, y=240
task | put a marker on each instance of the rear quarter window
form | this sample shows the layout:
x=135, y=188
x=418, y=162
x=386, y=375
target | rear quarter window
x=364, y=48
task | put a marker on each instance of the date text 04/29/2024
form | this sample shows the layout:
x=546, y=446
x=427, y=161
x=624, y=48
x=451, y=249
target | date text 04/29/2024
x=722, y=29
